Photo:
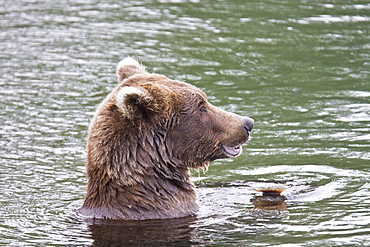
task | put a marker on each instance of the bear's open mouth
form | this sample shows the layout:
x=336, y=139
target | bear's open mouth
x=232, y=151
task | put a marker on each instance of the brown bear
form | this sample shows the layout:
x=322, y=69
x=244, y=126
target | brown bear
x=144, y=138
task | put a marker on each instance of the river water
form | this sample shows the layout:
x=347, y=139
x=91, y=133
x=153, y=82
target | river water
x=301, y=69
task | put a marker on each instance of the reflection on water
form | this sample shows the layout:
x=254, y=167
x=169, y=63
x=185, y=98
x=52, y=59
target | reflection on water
x=299, y=68
x=170, y=232
x=271, y=198
x=269, y=202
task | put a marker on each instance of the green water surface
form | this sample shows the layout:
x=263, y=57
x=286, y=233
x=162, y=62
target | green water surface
x=300, y=69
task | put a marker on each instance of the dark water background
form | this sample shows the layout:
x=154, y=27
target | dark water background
x=301, y=69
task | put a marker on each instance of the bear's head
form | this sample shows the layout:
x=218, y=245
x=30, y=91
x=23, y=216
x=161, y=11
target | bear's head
x=194, y=131
x=144, y=138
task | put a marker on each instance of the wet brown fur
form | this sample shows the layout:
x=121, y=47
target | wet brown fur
x=140, y=149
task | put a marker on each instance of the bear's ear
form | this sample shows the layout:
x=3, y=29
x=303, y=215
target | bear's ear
x=128, y=67
x=145, y=100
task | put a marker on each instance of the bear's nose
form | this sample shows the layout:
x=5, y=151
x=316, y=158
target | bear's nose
x=248, y=123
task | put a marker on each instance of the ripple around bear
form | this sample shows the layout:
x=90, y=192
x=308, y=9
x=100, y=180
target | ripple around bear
x=144, y=138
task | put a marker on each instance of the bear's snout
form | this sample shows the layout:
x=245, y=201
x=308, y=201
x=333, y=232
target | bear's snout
x=248, y=123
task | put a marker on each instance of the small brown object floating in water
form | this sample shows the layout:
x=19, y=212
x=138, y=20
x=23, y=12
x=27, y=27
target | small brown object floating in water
x=271, y=191
x=271, y=199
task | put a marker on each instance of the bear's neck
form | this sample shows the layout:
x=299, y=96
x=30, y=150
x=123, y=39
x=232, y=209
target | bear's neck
x=154, y=195
x=135, y=180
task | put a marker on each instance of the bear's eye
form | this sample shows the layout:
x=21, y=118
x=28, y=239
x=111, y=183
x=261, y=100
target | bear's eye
x=202, y=108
